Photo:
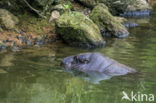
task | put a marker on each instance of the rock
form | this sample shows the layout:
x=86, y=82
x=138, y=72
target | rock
x=108, y=24
x=122, y=7
x=95, y=62
x=76, y=29
x=39, y=41
x=126, y=23
x=54, y=15
x=130, y=24
x=7, y=19
x=135, y=8
x=137, y=5
x=145, y=13
x=2, y=46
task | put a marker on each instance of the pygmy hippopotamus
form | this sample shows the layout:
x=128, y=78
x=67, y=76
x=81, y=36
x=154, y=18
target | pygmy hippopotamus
x=95, y=62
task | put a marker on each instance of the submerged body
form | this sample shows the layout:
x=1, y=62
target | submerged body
x=95, y=62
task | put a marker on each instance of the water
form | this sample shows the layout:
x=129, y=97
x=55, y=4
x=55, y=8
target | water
x=35, y=76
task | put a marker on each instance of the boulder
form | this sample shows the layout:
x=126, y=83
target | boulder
x=137, y=5
x=7, y=19
x=136, y=8
x=109, y=25
x=122, y=6
x=76, y=29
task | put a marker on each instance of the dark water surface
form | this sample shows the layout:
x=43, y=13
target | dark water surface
x=35, y=76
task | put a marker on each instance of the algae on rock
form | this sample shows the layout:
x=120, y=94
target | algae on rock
x=108, y=24
x=76, y=29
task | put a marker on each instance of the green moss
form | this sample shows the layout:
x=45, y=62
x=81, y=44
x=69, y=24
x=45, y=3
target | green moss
x=36, y=25
x=105, y=21
x=75, y=28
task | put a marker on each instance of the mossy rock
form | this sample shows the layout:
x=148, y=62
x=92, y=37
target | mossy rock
x=7, y=19
x=108, y=24
x=137, y=5
x=76, y=29
x=119, y=6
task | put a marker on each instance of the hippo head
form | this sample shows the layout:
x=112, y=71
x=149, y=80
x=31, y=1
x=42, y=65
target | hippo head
x=76, y=62
x=95, y=65
x=83, y=62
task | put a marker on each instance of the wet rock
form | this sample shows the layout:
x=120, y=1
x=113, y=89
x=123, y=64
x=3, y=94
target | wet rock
x=39, y=41
x=130, y=24
x=28, y=42
x=123, y=7
x=2, y=46
x=7, y=19
x=145, y=13
x=76, y=29
x=108, y=24
x=135, y=8
x=137, y=5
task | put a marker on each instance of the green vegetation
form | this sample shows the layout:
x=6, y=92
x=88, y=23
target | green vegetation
x=77, y=29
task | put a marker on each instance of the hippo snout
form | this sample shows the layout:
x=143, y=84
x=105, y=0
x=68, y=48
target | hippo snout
x=65, y=64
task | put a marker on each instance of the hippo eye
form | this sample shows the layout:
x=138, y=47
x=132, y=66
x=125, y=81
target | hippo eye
x=86, y=61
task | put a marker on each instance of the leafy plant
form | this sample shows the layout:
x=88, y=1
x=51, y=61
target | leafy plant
x=67, y=6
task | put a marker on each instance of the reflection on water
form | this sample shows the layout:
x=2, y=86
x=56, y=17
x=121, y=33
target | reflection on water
x=35, y=75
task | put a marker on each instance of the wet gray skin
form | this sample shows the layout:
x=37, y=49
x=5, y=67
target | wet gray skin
x=95, y=62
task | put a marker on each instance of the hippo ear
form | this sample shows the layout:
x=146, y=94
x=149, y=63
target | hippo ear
x=75, y=58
